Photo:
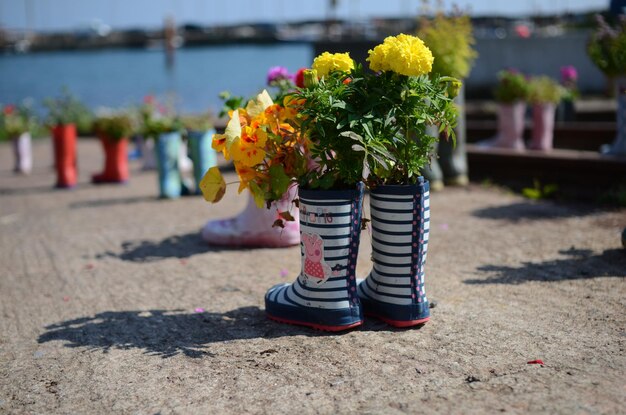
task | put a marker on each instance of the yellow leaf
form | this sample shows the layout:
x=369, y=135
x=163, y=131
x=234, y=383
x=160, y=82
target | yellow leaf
x=233, y=130
x=257, y=194
x=213, y=185
x=257, y=106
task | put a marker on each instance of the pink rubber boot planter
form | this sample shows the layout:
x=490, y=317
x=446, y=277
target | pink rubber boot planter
x=543, y=126
x=510, y=127
x=253, y=226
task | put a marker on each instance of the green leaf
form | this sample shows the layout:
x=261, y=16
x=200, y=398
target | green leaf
x=279, y=181
x=257, y=194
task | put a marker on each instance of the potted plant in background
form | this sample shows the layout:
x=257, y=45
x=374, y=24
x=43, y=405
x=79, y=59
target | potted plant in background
x=450, y=38
x=16, y=124
x=569, y=78
x=544, y=94
x=161, y=124
x=64, y=113
x=607, y=50
x=199, y=133
x=113, y=130
x=511, y=93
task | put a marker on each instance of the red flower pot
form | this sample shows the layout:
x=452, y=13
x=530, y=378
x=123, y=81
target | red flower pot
x=64, y=143
x=115, y=161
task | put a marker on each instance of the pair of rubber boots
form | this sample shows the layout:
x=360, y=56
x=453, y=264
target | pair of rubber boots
x=326, y=294
x=511, y=127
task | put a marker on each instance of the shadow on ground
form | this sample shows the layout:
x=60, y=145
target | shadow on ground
x=167, y=333
x=580, y=264
x=527, y=211
x=112, y=202
x=33, y=190
x=176, y=246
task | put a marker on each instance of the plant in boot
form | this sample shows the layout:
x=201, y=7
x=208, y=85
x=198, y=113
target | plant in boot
x=277, y=225
x=114, y=129
x=199, y=133
x=511, y=93
x=607, y=47
x=161, y=124
x=402, y=101
x=544, y=94
x=158, y=118
x=512, y=87
x=66, y=116
x=17, y=124
x=67, y=110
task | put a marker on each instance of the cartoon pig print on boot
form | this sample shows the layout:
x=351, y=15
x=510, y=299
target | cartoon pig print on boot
x=314, y=266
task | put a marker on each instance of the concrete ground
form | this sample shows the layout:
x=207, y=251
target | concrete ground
x=110, y=302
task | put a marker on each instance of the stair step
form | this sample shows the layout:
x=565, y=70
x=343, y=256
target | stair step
x=564, y=167
x=567, y=135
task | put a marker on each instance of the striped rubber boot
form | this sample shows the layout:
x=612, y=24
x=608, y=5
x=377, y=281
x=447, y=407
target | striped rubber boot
x=394, y=289
x=324, y=294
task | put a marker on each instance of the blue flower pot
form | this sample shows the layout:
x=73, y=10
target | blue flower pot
x=167, y=148
x=202, y=154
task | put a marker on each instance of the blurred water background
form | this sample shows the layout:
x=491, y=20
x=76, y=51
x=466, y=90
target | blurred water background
x=123, y=77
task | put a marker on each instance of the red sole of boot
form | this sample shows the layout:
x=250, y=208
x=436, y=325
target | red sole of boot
x=400, y=323
x=315, y=326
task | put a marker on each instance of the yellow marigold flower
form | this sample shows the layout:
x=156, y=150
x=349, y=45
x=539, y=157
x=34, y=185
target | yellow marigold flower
x=379, y=57
x=403, y=54
x=330, y=62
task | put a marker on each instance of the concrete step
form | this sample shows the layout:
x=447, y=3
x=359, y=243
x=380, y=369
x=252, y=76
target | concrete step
x=567, y=135
x=575, y=170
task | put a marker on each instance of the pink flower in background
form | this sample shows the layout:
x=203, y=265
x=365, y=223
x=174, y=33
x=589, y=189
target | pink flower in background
x=569, y=74
x=278, y=73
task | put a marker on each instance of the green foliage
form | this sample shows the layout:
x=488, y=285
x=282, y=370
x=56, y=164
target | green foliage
x=115, y=126
x=451, y=40
x=543, y=89
x=607, y=47
x=157, y=118
x=512, y=86
x=372, y=127
x=16, y=120
x=200, y=122
x=538, y=192
x=231, y=103
x=68, y=109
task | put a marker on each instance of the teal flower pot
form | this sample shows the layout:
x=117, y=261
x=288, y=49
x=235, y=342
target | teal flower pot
x=167, y=148
x=202, y=154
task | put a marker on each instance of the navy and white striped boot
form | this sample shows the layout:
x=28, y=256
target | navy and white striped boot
x=394, y=289
x=324, y=294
